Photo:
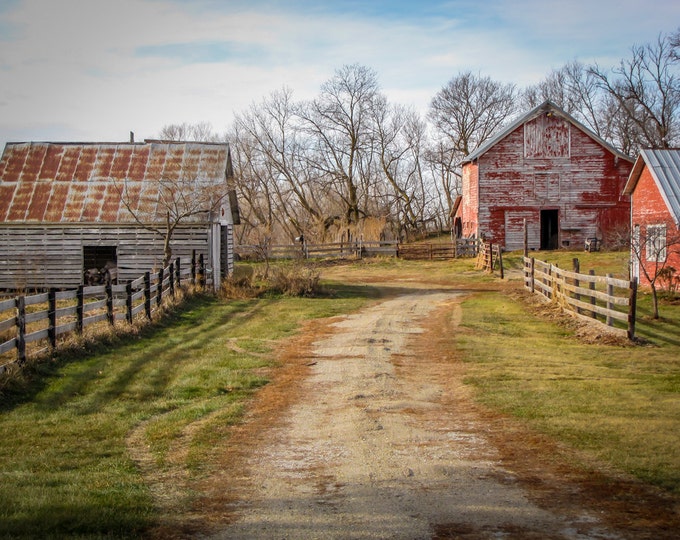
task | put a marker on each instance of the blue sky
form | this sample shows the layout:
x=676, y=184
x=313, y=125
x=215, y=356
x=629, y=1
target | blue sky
x=94, y=70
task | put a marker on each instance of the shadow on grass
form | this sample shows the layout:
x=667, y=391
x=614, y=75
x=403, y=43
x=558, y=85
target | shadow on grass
x=662, y=331
x=151, y=357
x=93, y=359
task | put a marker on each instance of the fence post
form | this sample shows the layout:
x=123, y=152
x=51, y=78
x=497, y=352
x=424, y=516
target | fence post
x=500, y=262
x=532, y=281
x=632, y=305
x=550, y=282
x=577, y=283
x=128, y=302
x=21, y=329
x=52, y=317
x=591, y=286
x=159, y=290
x=109, y=304
x=201, y=271
x=171, y=275
x=178, y=273
x=147, y=294
x=193, y=267
x=610, y=306
x=80, y=308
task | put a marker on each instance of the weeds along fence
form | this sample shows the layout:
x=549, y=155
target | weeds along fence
x=604, y=299
x=29, y=324
x=360, y=249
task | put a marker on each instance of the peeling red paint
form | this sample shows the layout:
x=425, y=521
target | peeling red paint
x=546, y=162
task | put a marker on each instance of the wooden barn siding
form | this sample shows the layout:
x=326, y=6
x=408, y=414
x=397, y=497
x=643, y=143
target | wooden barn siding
x=649, y=208
x=584, y=184
x=470, y=201
x=52, y=256
x=227, y=255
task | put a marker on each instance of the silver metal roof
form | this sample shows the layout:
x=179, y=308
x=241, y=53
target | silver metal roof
x=665, y=168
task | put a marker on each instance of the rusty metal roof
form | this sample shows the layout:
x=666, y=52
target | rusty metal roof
x=43, y=182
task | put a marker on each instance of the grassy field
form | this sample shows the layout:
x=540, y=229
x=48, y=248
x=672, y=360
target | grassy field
x=74, y=433
x=618, y=404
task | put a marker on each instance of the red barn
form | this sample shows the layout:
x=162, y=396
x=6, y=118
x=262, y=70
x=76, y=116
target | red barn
x=654, y=188
x=551, y=171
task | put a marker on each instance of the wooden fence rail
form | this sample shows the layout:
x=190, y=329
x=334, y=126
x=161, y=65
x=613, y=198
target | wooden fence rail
x=600, y=298
x=46, y=316
x=359, y=249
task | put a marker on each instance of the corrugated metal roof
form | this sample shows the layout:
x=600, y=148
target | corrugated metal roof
x=546, y=106
x=665, y=168
x=83, y=182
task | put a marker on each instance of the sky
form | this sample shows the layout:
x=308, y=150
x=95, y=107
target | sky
x=95, y=70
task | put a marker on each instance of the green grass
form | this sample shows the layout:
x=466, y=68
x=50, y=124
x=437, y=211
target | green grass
x=618, y=404
x=602, y=262
x=70, y=432
x=67, y=467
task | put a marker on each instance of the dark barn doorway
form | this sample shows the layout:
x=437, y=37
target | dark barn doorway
x=549, y=229
x=100, y=265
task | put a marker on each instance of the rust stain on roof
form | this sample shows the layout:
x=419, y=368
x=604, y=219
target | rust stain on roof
x=83, y=182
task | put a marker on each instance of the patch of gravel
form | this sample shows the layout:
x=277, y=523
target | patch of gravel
x=376, y=448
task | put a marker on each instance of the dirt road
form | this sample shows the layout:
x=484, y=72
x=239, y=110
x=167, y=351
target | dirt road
x=378, y=440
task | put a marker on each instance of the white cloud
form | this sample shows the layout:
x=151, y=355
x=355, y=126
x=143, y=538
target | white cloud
x=95, y=70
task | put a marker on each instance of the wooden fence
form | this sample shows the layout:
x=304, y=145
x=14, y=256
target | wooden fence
x=359, y=249
x=599, y=298
x=43, y=318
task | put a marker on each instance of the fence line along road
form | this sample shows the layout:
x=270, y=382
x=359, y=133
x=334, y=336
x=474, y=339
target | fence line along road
x=46, y=316
x=590, y=296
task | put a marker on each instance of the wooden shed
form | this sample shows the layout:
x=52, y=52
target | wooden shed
x=654, y=189
x=69, y=207
x=549, y=171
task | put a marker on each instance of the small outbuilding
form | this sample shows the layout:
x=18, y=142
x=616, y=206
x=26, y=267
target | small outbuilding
x=550, y=172
x=654, y=189
x=67, y=208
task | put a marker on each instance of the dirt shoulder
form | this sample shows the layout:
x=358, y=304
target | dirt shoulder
x=367, y=431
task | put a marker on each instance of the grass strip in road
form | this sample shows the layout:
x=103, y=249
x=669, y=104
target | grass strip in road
x=620, y=404
x=81, y=443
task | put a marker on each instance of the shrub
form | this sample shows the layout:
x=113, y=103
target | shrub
x=296, y=280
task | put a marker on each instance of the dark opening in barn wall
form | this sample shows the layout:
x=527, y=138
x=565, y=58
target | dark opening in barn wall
x=549, y=229
x=99, y=264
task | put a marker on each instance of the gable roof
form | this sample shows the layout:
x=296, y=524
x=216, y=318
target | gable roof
x=664, y=166
x=81, y=182
x=543, y=108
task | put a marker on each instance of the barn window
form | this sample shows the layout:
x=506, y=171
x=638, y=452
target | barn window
x=656, y=243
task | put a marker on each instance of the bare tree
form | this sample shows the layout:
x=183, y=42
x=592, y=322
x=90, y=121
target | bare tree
x=652, y=247
x=466, y=112
x=400, y=136
x=339, y=125
x=646, y=87
x=200, y=131
x=180, y=197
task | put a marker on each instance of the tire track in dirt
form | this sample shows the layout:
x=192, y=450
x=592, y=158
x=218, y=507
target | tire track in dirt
x=374, y=446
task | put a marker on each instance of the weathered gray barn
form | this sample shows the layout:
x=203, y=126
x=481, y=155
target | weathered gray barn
x=68, y=207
